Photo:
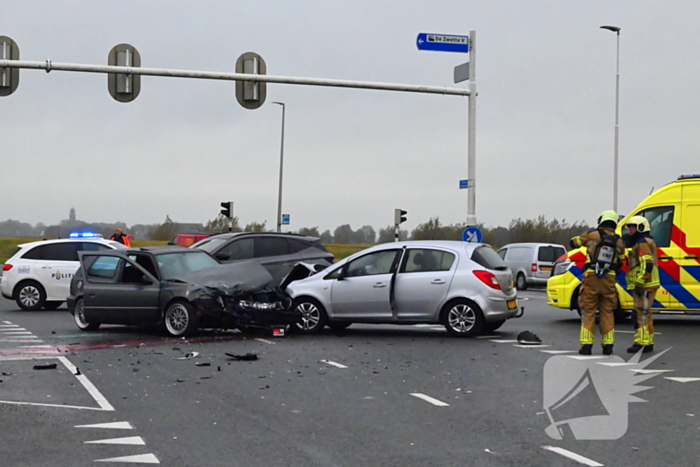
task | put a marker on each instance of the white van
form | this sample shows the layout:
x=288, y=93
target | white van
x=531, y=263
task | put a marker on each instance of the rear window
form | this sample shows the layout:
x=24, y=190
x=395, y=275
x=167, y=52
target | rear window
x=550, y=254
x=210, y=244
x=486, y=257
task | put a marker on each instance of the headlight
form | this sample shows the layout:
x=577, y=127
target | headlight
x=260, y=305
x=561, y=268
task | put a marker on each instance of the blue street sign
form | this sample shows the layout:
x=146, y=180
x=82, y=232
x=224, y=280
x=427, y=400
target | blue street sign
x=442, y=42
x=285, y=219
x=463, y=184
x=472, y=235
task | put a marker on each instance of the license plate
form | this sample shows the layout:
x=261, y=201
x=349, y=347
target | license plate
x=512, y=304
x=546, y=268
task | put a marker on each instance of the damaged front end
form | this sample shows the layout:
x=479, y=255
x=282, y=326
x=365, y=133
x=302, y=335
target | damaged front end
x=240, y=295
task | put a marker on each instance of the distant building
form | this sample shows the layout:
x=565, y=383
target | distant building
x=71, y=216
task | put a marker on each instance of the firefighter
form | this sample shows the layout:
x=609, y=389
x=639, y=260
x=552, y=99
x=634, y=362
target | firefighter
x=604, y=258
x=643, y=279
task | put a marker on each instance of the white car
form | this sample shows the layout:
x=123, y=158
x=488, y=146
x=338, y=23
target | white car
x=464, y=286
x=38, y=274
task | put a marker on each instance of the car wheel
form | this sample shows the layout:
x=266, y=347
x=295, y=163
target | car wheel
x=79, y=315
x=52, y=305
x=313, y=316
x=180, y=319
x=462, y=318
x=30, y=295
x=338, y=326
x=520, y=282
x=492, y=325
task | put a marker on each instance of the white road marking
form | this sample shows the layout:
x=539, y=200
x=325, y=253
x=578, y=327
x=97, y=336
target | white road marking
x=488, y=337
x=133, y=440
x=21, y=339
x=504, y=341
x=584, y=357
x=265, y=341
x=617, y=363
x=531, y=346
x=8, y=322
x=5, y=332
x=682, y=380
x=97, y=395
x=523, y=299
x=36, y=346
x=51, y=405
x=3, y=326
x=573, y=456
x=429, y=399
x=138, y=459
x=648, y=372
x=111, y=426
x=339, y=365
x=556, y=352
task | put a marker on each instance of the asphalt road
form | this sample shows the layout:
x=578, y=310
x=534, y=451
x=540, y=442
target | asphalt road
x=370, y=395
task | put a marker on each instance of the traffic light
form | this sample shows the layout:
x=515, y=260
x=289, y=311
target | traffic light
x=123, y=87
x=251, y=94
x=228, y=209
x=399, y=216
x=9, y=77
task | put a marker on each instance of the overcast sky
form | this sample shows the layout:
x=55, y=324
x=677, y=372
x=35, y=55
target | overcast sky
x=545, y=111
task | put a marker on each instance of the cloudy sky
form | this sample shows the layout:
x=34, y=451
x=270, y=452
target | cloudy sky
x=545, y=112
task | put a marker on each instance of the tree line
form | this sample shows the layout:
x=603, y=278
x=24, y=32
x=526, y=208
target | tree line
x=518, y=230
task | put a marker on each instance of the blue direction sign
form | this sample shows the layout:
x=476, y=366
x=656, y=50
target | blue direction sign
x=285, y=219
x=472, y=235
x=442, y=42
x=463, y=184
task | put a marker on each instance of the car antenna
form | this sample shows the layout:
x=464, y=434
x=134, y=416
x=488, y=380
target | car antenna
x=652, y=190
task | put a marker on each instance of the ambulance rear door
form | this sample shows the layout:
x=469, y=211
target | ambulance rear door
x=688, y=240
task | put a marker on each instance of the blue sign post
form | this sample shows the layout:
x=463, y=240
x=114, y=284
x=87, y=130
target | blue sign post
x=463, y=184
x=472, y=235
x=285, y=219
x=442, y=42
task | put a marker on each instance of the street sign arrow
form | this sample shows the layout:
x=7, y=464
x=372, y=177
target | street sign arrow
x=442, y=42
x=472, y=235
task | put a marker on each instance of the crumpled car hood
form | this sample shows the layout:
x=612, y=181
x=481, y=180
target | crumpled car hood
x=229, y=279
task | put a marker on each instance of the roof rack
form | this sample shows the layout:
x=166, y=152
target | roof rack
x=688, y=176
x=268, y=233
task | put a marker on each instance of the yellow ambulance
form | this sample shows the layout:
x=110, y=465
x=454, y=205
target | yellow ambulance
x=673, y=212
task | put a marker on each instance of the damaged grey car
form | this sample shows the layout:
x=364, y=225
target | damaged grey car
x=176, y=287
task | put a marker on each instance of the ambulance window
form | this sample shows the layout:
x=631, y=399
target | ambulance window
x=661, y=221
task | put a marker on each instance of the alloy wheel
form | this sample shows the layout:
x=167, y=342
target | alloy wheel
x=29, y=296
x=177, y=319
x=310, y=316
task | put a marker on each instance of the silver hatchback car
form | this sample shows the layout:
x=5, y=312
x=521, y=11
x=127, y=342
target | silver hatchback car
x=464, y=286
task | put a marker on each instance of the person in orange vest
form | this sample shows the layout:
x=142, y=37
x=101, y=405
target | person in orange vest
x=121, y=237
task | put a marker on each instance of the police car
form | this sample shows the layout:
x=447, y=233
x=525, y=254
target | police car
x=38, y=274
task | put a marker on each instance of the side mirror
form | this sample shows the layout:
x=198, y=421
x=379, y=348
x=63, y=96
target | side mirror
x=342, y=274
x=222, y=256
x=145, y=280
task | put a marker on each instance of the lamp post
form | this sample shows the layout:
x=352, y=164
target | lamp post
x=616, y=30
x=279, y=195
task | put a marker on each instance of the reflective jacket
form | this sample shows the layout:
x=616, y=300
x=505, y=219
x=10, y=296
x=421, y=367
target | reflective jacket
x=643, y=268
x=590, y=240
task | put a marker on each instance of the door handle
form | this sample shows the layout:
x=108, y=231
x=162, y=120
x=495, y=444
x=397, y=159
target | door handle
x=46, y=267
x=92, y=295
x=379, y=285
x=438, y=281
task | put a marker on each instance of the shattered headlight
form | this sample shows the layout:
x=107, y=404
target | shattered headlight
x=561, y=268
x=260, y=305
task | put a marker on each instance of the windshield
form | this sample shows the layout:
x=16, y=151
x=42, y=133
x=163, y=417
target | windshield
x=210, y=244
x=174, y=265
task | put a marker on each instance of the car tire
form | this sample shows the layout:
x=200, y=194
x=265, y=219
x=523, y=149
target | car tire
x=490, y=326
x=338, y=326
x=30, y=295
x=462, y=318
x=79, y=316
x=521, y=282
x=52, y=305
x=313, y=316
x=180, y=319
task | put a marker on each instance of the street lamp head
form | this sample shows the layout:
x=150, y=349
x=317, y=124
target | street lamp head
x=280, y=103
x=614, y=29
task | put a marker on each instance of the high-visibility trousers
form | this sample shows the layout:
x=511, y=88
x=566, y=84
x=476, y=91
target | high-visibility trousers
x=597, y=294
x=643, y=320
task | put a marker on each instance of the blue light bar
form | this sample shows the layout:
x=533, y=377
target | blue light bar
x=85, y=235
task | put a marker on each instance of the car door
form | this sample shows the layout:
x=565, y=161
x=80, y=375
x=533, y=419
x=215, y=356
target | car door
x=546, y=256
x=422, y=283
x=115, y=290
x=56, y=268
x=362, y=290
x=274, y=253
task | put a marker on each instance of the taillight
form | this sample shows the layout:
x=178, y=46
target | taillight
x=534, y=267
x=488, y=279
x=7, y=267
